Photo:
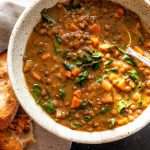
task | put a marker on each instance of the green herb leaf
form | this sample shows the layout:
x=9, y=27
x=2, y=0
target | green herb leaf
x=75, y=124
x=108, y=63
x=46, y=17
x=49, y=106
x=83, y=76
x=88, y=118
x=133, y=74
x=105, y=109
x=36, y=91
x=111, y=122
x=58, y=39
x=86, y=58
x=68, y=65
x=97, y=55
x=122, y=105
x=107, y=70
x=62, y=93
x=96, y=65
x=100, y=79
x=57, y=43
x=78, y=62
x=121, y=50
x=128, y=59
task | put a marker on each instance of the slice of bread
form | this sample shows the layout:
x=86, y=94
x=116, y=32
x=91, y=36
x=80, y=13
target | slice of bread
x=19, y=133
x=8, y=102
x=15, y=133
x=9, y=141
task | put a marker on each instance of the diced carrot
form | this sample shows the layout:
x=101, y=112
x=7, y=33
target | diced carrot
x=77, y=93
x=28, y=65
x=73, y=27
x=122, y=121
x=75, y=72
x=95, y=41
x=45, y=56
x=95, y=28
x=119, y=13
x=68, y=74
x=36, y=75
x=139, y=50
x=75, y=102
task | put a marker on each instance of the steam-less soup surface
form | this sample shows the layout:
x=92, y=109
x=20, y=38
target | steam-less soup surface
x=77, y=69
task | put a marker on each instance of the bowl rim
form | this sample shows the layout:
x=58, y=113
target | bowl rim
x=57, y=129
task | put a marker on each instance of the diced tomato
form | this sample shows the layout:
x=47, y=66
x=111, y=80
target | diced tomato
x=75, y=102
x=95, y=28
x=75, y=72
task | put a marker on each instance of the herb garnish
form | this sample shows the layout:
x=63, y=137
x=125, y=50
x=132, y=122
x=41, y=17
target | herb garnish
x=46, y=17
x=83, y=76
x=133, y=74
x=57, y=43
x=36, y=91
x=49, y=106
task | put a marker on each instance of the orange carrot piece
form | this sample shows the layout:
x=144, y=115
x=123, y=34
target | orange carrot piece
x=73, y=27
x=28, y=65
x=45, y=56
x=95, y=28
x=75, y=72
x=77, y=93
x=95, y=41
x=68, y=74
x=139, y=50
x=36, y=75
x=75, y=102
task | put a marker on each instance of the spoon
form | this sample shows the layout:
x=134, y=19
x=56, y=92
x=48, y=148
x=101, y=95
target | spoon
x=138, y=56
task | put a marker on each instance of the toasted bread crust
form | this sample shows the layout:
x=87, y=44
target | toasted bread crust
x=15, y=133
x=19, y=133
x=8, y=102
x=8, y=141
x=3, y=65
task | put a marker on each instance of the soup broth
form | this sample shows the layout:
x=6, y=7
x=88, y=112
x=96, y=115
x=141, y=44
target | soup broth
x=77, y=68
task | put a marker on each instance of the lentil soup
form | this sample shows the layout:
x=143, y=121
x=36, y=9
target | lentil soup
x=77, y=69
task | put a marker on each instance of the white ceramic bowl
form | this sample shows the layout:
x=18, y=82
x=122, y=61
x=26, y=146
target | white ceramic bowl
x=18, y=40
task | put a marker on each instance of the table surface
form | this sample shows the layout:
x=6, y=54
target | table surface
x=138, y=141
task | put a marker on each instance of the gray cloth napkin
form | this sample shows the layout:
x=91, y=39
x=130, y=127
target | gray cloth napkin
x=9, y=13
